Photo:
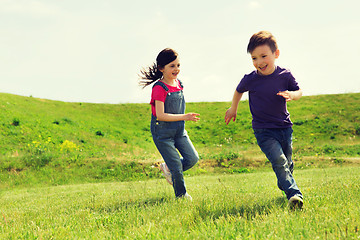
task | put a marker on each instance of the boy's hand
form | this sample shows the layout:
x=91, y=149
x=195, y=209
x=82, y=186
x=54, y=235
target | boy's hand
x=291, y=95
x=285, y=94
x=230, y=114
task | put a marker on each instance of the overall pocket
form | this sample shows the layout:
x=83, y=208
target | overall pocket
x=163, y=130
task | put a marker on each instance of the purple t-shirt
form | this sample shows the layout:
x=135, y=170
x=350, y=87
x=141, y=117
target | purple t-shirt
x=268, y=109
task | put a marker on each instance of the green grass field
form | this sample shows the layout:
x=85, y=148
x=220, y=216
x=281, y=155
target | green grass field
x=241, y=206
x=90, y=171
x=53, y=143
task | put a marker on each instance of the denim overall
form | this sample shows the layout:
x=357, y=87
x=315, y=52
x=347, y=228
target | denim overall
x=171, y=139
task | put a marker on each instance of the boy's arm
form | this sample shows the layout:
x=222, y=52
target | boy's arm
x=232, y=111
x=291, y=95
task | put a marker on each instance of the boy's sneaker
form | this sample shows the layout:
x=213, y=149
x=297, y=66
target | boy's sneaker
x=166, y=173
x=296, y=202
x=187, y=197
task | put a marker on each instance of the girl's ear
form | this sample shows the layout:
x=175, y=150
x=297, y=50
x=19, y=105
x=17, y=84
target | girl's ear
x=161, y=69
x=277, y=53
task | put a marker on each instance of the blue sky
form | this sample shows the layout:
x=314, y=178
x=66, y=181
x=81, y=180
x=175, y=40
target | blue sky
x=92, y=51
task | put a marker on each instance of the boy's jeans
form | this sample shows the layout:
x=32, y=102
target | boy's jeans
x=277, y=146
x=169, y=138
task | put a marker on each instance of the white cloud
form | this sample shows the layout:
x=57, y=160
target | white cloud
x=254, y=4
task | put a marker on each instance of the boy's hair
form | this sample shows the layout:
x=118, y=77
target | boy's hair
x=262, y=38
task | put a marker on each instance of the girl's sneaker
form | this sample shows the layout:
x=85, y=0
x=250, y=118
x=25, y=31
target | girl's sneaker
x=166, y=173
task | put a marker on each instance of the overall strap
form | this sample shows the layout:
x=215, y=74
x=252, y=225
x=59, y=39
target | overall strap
x=162, y=85
x=182, y=86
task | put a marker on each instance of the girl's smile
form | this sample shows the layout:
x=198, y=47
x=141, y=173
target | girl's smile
x=171, y=71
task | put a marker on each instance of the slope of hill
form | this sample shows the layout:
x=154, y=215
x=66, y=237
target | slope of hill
x=59, y=142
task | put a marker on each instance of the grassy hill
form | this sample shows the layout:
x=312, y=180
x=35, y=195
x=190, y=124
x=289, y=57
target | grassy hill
x=225, y=206
x=52, y=142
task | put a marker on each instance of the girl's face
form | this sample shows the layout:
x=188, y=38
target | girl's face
x=171, y=70
x=264, y=59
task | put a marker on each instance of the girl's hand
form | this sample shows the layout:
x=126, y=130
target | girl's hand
x=192, y=117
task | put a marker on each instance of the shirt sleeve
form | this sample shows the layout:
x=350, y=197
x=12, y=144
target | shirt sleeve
x=293, y=84
x=242, y=86
x=158, y=93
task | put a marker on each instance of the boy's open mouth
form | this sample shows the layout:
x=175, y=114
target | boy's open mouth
x=263, y=68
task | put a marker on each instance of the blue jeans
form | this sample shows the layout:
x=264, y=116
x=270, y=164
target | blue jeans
x=277, y=146
x=171, y=139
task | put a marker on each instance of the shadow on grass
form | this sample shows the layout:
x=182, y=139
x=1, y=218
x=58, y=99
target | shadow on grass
x=206, y=211
x=155, y=201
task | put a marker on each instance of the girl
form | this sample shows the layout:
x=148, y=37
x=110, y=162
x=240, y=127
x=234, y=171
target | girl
x=168, y=119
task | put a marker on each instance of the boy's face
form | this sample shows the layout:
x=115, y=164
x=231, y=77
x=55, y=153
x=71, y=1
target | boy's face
x=264, y=59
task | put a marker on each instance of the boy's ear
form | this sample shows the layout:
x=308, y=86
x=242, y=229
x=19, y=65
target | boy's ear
x=277, y=53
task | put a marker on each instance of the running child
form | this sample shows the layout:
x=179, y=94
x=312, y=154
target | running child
x=270, y=87
x=168, y=119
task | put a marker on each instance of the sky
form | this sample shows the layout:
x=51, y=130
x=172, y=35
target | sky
x=93, y=50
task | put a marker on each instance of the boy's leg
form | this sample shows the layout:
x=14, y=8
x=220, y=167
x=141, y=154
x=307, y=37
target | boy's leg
x=268, y=141
x=286, y=144
x=172, y=159
x=287, y=147
x=189, y=155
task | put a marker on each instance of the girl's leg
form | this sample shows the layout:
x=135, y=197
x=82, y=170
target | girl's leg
x=189, y=155
x=172, y=159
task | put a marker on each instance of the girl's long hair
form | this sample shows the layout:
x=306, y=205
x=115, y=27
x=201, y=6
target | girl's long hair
x=152, y=74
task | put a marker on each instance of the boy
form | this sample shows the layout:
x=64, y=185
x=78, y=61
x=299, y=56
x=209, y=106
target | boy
x=270, y=87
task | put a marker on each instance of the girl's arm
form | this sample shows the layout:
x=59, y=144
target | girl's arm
x=291, y=95
x=168, y=117
x=232, y=111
